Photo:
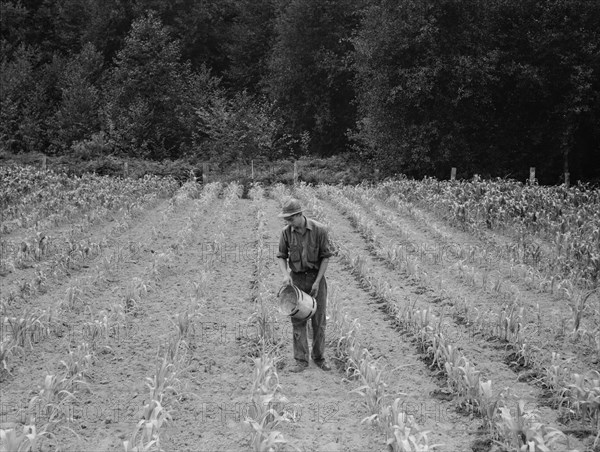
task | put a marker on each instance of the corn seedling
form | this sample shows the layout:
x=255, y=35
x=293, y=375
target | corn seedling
x=262, y=415
x=200, y=287
x=163, y=381
x=555, y=378
x=470, y=385
x=185, y=326
x=403, y=433
x=489, y=406
x=52, y=396
x=31, y=327
x=146, y=435
x=135, y=291
x=95, y=330
x=373, y=388
x=523, y=433
x=584, y=396
x=78, y=362
x=27, y=441
x=73, y=296
x=6, y=348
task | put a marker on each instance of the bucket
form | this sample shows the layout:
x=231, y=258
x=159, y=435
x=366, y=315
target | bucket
x=296, y=303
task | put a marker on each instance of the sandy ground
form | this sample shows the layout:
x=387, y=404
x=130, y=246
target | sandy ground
x=167, y=250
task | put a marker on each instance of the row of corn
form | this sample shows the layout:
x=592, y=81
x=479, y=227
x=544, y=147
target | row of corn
x=57, y=394
x=517, y=254
x=401, y=430
x=20, y=331
x=568, y=219
x=267, y=408
x=580, y=393
x=164, y=386
x=515, y=433
x=553, y=283
x=31, y=197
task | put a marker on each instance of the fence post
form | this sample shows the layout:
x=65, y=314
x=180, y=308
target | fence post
x=567, y=180
x=205, y=173
x=295, y=172
x=531, y=174
x=252, y=164
x=44, y=163
x=453, y=173
x=376, y=174
x=125, y=169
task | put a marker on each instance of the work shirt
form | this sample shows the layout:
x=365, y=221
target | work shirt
x=305, y=251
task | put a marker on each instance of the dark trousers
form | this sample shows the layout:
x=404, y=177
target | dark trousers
x=304, y=282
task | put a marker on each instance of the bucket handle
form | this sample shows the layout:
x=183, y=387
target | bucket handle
x=281, y=288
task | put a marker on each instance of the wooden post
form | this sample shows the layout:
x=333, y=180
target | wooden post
x=531, y=175
x=376, y=174
x=567, y=180
x=453, y=173
x=295, y=172
x=125, y=169
x=44, y=163
x=252, y=163
x=205, y=173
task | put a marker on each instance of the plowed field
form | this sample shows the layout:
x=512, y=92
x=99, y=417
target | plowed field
x=195, y=255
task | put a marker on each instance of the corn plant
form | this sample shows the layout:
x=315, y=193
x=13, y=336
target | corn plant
x=78, y=361
x=73, y=296
x=146, y=435
x=489, y=406
x=95, y=330
x=470, y=386
x=578, y=310
x=264, y=319
x=6, y=350
x=263, y=416
x=403, y=433
x=27, y=441
x=33, y=326
x=523, y=433
x=161, y=265
x=584, y=396
x=555, y=378
x=164, y=381
x=56, y=391
x=200, y=287
x=135, y=291
x=373, y=387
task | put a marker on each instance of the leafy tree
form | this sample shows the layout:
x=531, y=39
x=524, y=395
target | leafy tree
x=309, y=78
x=251, y=36
x=201, y=26
x=77, y=116
x=14, y=27
x=106, y=25
x=23, y=101
x=489, y=87
x=148, y=95
x=239, y=128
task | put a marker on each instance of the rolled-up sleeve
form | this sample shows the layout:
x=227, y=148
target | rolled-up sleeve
x=282, y=253
x=324, y=245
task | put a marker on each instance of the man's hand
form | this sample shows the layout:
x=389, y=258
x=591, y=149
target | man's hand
x=287, y=280
x=314, y=291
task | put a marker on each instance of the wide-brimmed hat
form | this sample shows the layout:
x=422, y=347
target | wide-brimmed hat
x=290, y=207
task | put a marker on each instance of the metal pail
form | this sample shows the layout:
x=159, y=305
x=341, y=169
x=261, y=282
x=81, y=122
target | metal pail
x=296, y=303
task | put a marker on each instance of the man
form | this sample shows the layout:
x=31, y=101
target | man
x=304, y=243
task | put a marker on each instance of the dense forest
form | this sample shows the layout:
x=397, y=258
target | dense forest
x=410, y=86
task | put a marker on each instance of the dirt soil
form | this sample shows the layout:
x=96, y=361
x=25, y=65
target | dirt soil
x=167, y=249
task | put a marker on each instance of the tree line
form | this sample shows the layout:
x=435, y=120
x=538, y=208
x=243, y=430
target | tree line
x=410, y=86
